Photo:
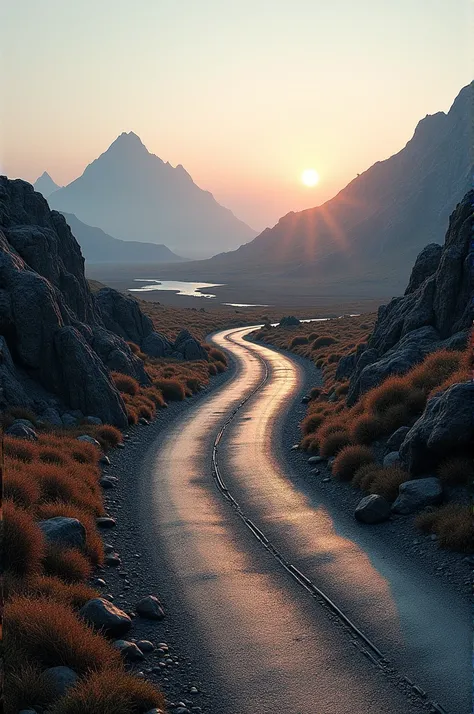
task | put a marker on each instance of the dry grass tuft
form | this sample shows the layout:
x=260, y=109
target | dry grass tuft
x=386, y=481
x=453, y=524
x=332, y=444
x=125, y=384
x=24, y=685
x=456, y=471
x=23, y=541
x=366, y=429
x=109, y=434
x=297, y=341
x=20, y=488
x=110, y=693
x=323, y=341
x=18, y=449
x=349, y=460
x=66, y=563
x=171, y=389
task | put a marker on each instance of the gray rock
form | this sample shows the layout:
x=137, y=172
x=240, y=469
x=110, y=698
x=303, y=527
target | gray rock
x=190, y=349
x=372, y=509
x=89, y=440
x=397, y=438
x=68, y=419
x=143, y=421
x=425, y=265
x=113, y=560
x=104, y=460
x=95, y=421
x=446, y=425
x=105, y=522
x=122, y=315
x=417, y=494
x=315, y=459
x=67, y=532
x=391, y=459
x=104, y=616
x=52, y=416
x=108, y=482
x=145, y=645
x=19, y=431
x=25, y=422
x=61, y=679
x=129, y=650
x=150, y=607
x=156, y=345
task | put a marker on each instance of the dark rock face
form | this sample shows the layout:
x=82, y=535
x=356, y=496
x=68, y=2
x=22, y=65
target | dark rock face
x=156, y=345
x=121, y=314
x=445, y=426
x=188, y=347
x=434, y=313
x=52, y=332
x=417, y=494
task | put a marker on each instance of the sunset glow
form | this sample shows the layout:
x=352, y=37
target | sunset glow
x=310, y=177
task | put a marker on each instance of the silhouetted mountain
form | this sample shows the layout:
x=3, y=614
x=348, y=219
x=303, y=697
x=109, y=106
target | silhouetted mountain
x=133, y=195
x=364, y=240
x=45, y=185
x=99, y=247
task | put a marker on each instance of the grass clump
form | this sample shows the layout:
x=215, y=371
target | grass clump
x=24, y=685
x=297, y=341
x=20, y=488
x=349, y=459
x=171, y=389
x=366, y=429
x=109, y=434
x=332, y=444
x=453, y=524
x=68, y=564
x=110, y=692
x=23, y=541
x=125, y=384
x=323, y=341
x=456, y=471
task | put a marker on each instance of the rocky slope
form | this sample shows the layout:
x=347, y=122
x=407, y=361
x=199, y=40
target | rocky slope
x=58, y=343
x=363, y=241
x=133, y=195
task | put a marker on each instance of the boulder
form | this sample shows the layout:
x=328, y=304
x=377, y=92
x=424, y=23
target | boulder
x=391, y=459
x=150, y=607
x=68, y=419
x=67, y=532
x=145, y=645
x=94, y=421
x=89, y=440
x=52, y=416
x=104, y=616
x=61, y=679
x=417, y=494
x=396, y=440
x=20, y=431
x=156, y=345
x=446, y=425
x=190, y=349
x=129, y=650
x=372, y=509
x=122, y=315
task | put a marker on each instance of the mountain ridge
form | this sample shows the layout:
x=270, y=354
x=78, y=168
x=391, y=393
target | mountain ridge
x=45, y=185
x=133, y=194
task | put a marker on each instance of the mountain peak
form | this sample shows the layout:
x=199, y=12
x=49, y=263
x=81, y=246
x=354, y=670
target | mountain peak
x=130, y=140
x=45, y=185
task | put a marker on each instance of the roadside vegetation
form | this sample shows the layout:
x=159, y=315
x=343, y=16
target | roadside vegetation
x=355, y=437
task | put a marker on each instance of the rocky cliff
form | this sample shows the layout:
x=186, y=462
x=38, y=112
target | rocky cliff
x=434, y=313
x=58, y=343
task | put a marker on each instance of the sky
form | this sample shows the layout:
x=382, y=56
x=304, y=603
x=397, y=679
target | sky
x=245, y=94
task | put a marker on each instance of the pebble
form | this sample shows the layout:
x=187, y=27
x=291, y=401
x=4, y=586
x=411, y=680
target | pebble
x=326, y=479
x=113, y=560
x=100, y=581
x=295, y=447
x=105, y=522
x=108, y=548
x=315, y=459
x=315, y=471
x=121, y=446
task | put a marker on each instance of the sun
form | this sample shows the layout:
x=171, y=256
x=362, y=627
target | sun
x=310, y=177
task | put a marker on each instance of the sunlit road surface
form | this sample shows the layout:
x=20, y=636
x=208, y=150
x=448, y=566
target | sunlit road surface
x=275, y=647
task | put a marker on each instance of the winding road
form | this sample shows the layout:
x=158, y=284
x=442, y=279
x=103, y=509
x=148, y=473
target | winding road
x=301, y=610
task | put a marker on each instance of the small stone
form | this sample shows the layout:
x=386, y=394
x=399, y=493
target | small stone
x=108, y=482
x=89, y=440
x=315, y=459
x=145, y=645
x=95, y=421
x=150, y=607
x=129, y=650
x=331, y=461
x=121, y=445
x=104, y=616
x=63, y=531
x=193, y=690
x=305, y=400
x=163, y=646
x=314, y=471
x=433, y=536
x=108, y=548
x=143, y=421
x=372, y=509
x=105, y=522
x=113, y=560
x=104, y=460
x=101, y=582
x=295, y=447
x=326, y=479
x=20, y=431
x=391, y=459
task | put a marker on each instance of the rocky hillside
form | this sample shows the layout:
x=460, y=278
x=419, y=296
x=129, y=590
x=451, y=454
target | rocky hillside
x=132, y=194
x=58, y=342
x=364, y=240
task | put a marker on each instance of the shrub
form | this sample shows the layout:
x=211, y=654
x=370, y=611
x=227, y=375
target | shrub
x=110, y=693
x=386, y=481
x=298, y=340
x=366, y=429
x=125, y=384
x=342, y=389
x=331, y=427
x=217, y=355
x=315, y=392
x=364, y=475
x=55, y=484
x=323, y=341
x=132, y=415
x=23, y=541
x=395, y=417
x=311, y=422
x=391, y=393
x=49, y=455
x=20, y=488
x=73, y=594
x=456, y=471
x=453, y=524
x=171, y=389
x=332, y=444
x=66, y=563
x=19, y=449
x=24, y=684
x=110, y=434
x=416, y=401
x=435, y=369
x=154, y=395
x=85, y=453
x=212, y=369
x=49, y=634
x=349, y=460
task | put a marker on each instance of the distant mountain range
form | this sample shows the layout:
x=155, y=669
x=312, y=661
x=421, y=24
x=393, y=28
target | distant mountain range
x=133, y=195
x=364, y=240
x=99, y=247
x=45, y=185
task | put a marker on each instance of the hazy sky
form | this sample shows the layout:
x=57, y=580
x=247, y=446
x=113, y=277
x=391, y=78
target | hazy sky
x=246, y=94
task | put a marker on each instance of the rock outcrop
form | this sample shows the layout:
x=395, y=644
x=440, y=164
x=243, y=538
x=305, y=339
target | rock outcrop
x=434, y=313
x=52, y=334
